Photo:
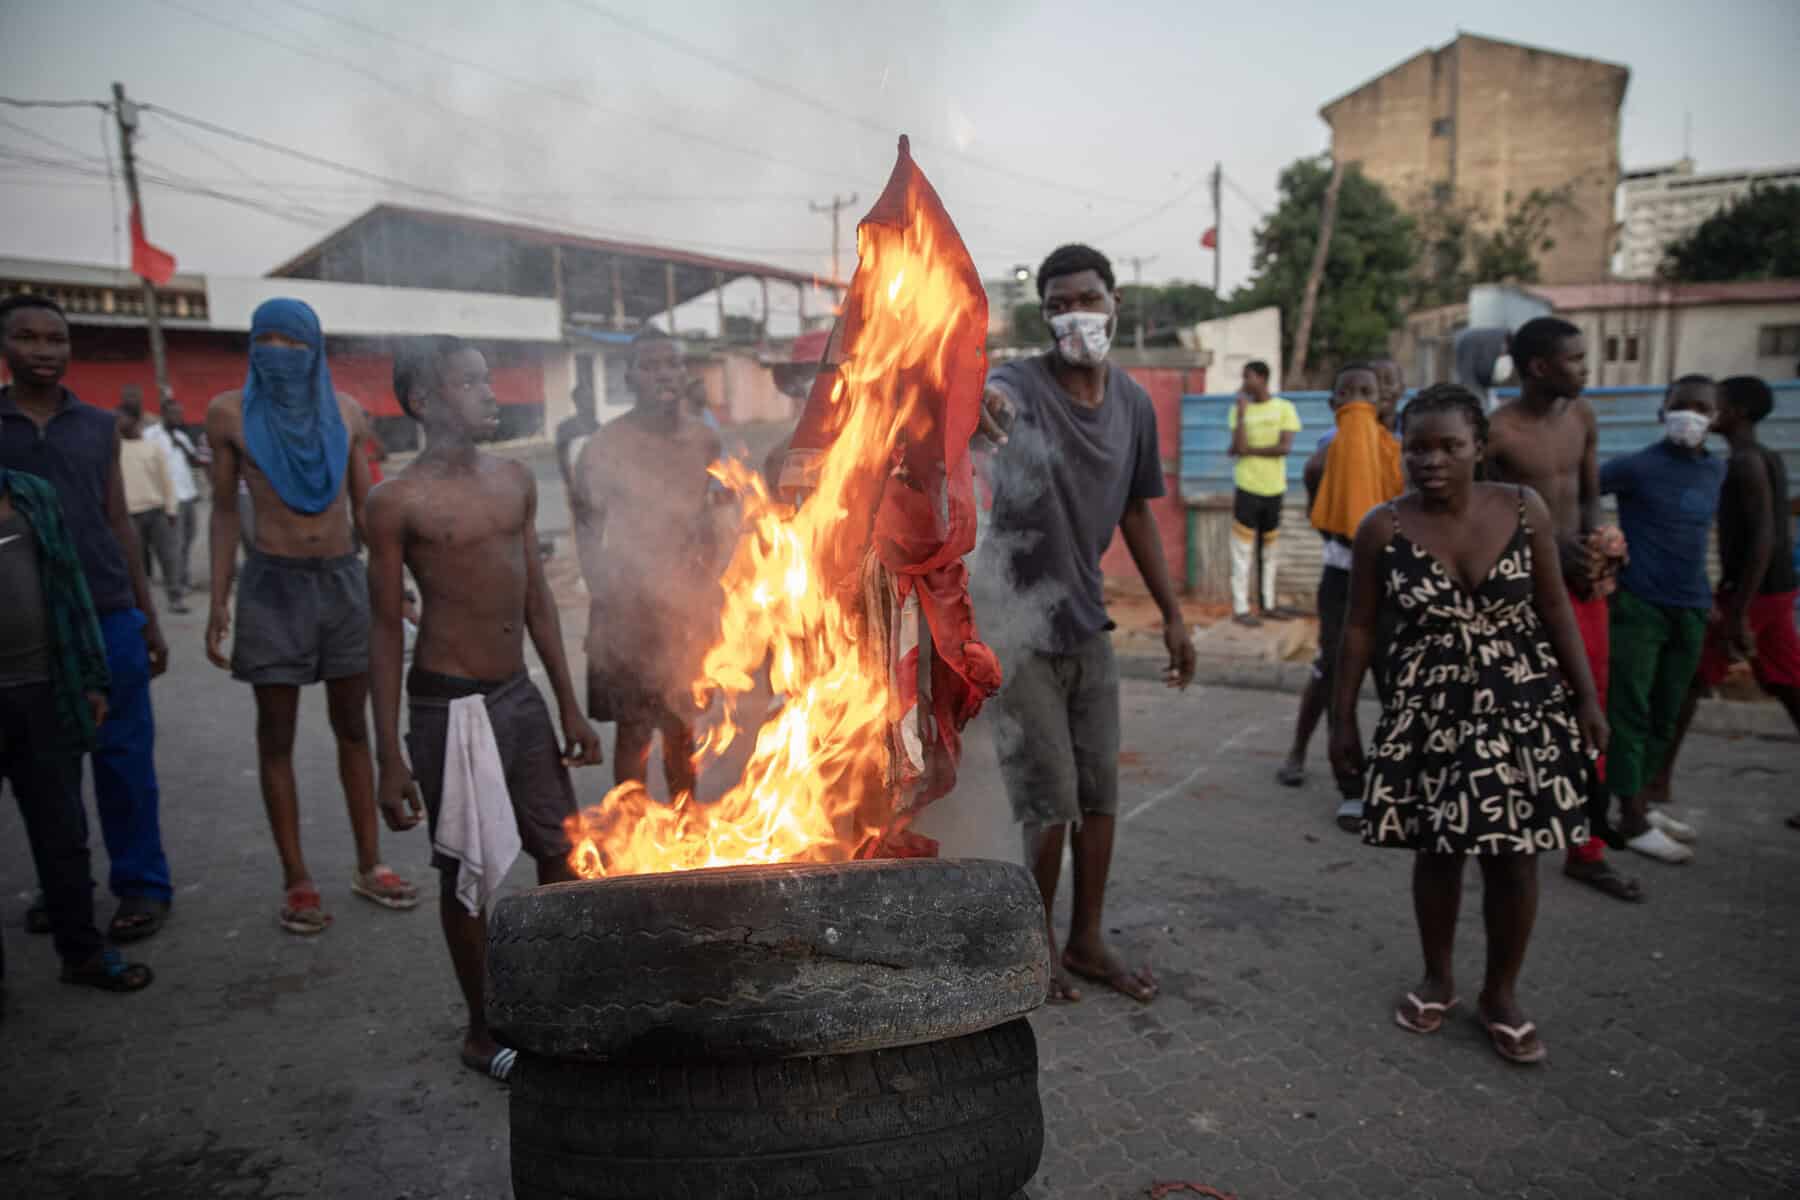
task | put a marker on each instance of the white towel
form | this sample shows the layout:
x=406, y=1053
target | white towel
x=475, y=822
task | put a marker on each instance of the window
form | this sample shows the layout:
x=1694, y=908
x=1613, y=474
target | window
x=1440, y=194
x=1631, y=348
x=1612, y=349
x=1442, y=127
x=1778, y=341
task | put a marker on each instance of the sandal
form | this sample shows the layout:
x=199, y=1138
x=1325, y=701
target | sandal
x=384, y=887
x=303, y=912
x=137, y=918
x=1290, y=775
x=1350, y=815
x=1602, y=878
x=110, y=973
x=1427, y=1016
x=1520, y=1045
x=500, y=1066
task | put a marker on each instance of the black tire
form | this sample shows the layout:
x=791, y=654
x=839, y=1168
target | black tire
x=766, y=962
x=952, y=1120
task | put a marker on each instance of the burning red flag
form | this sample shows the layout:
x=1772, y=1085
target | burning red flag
x=151, y=262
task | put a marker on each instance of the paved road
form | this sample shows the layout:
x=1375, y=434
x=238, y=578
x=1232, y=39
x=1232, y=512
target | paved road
x=261, y=1065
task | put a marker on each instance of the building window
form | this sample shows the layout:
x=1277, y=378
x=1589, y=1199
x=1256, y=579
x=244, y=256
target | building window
x=1631, y=348
x=1442, y=127
x=1778, y=341
x=1440, y=194
x=1612, y=349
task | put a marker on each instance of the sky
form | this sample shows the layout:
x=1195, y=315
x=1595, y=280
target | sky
x=714, y=125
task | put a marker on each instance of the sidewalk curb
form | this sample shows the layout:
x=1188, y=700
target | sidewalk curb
x=1719, y=718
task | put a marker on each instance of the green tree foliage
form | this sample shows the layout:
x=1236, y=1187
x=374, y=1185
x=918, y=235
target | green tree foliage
x=1459, y=245
x=1368, y=269
x=1756, y=238
x=1167, y=308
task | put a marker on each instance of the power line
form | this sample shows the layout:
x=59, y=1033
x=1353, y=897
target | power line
x=203, y=148
x=163, y=180
x=1158, y=211
x=13, y=102
x=1246, y=197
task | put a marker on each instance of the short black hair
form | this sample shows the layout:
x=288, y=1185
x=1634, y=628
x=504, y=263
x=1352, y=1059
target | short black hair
x=418, y=358
x=649, y=335
x=1748, y=395
x=1448, y=397
x=1257, y=366
x=1685, y=381
x=1073, y=259
x=1359, y=365
x=1539, y=338
x=19, y=300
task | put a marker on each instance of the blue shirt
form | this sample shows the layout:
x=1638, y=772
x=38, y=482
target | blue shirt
x=1667, y=498
x=74, y=454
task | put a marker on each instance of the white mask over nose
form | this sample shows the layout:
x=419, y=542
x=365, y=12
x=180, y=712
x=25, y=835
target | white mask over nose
x=1081, y=337
x=1686, y=429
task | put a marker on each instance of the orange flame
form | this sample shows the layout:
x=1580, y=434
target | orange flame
x=818, y=783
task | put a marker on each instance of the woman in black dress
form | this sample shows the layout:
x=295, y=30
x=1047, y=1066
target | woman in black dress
x=1489, y=731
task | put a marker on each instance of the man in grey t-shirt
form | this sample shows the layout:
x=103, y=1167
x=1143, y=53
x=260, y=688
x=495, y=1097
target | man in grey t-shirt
x=1076, y=459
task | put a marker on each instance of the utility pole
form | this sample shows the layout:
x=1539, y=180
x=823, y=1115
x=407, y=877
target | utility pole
x=1218, y=228
x=1137, y=282
x=126, y=114
x=838, y=204
x=1303, y=333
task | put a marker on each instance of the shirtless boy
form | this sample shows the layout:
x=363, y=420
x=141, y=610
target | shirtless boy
x=1547, y=440
x=645, y=515
x=465, y=524
x=303, y=601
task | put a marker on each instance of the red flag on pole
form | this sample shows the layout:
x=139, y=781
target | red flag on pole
x=1210, y=239
x=152, y=262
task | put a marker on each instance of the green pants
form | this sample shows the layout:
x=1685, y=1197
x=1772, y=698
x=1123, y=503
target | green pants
x=1655, y=653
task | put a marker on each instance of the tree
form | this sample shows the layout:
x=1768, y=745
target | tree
x=1460, y=249
x=1168, y=308
x=1368, y=265
x=1756, y=238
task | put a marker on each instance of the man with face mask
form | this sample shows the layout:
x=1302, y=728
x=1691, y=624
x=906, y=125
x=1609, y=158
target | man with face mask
x=1076, y=458
x=303, y=599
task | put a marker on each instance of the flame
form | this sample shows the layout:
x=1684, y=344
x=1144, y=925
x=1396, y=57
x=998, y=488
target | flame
x=818, y=783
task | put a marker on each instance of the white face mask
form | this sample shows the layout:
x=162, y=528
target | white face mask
x=1686, y=429
x=1081, y=337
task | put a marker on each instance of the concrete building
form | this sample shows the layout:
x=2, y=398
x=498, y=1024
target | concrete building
x=1660, y=205
x=1479, y=120
x=1642, y=333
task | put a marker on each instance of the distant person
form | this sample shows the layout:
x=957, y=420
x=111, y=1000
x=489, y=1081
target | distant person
x=295, y=444
x=1667, y=494
x=1390, y=382
x=53, y=684
x=1753, y=607
x=150, y=497
x=1076, y=460
x=47, y=432
x=185, y=457
x=464, y=524
x=1492, y=717
x=1547, y=440
x=1358, y=470
x=572, y=433
x=644, y=528
x=1262, y=432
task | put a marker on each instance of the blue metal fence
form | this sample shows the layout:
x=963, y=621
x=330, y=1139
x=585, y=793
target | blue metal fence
x=1626, y=418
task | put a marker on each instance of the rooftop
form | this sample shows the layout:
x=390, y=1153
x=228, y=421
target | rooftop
x=1624, y=71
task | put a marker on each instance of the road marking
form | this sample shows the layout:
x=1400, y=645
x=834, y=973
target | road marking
x=1228, y=744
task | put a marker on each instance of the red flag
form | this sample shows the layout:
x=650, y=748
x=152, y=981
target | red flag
x=1210, y=239
x=152, y=262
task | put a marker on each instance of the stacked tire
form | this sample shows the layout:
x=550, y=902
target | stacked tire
x=844, y=1030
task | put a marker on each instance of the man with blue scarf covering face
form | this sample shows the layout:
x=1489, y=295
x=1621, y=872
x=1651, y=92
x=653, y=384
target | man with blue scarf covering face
x=303, y=598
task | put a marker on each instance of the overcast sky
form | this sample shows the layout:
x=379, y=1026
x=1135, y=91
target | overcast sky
x=711, y=124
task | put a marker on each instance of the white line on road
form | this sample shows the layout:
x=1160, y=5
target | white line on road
x=1228, y=744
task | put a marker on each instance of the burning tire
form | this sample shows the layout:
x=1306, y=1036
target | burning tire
x=766, y=962
x=952, y=1120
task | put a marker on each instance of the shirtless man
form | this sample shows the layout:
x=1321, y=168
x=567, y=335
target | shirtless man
x=303, y=607
x=1547, y=440
x=646, y=529
x=465, y=524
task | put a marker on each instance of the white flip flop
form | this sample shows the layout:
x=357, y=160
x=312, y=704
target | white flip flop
x=1681, y=831
x=1656, y=844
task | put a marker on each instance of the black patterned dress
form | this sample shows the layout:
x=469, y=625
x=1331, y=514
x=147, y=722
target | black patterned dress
x=1478, y=750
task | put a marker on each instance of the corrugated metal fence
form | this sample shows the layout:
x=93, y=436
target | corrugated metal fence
x=1627, y=418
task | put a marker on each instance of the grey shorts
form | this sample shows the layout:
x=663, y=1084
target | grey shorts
x=300, y=620
x=537, y=782
x=1056, y=726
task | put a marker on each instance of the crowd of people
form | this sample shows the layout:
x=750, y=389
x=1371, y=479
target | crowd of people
x=1533, y=663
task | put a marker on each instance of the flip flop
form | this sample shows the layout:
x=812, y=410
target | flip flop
x=302, y=912
x=382, y=885
x=1654, y=843
x=500, y=1066
x=137, y=918
x=1427, y=1015
x=1509, y=1043
x=110, y=973
x=1290, y=775
x=1681, y=831
x=1602, y=878
x=1125, y=982
x=1349, y=816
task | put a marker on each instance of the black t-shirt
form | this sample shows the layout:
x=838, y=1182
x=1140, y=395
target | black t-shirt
x=1735, y=521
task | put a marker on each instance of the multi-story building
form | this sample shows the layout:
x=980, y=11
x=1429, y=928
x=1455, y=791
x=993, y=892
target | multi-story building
x=1483, y=121
x=1662, y=204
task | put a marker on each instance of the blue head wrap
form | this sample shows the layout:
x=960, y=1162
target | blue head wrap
x=292, y=427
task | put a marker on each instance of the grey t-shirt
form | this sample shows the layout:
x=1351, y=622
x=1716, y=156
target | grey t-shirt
x=1061, y=486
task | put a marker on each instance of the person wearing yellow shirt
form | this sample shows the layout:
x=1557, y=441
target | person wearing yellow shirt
x=1262, y=432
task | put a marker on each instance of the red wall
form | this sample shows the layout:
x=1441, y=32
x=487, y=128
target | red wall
x=1166, y=386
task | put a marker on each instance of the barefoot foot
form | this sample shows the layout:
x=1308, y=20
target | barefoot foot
x=1098, y=964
